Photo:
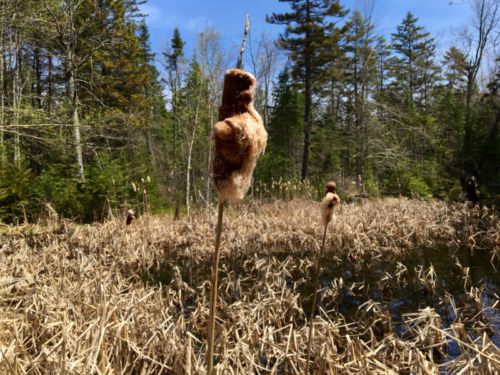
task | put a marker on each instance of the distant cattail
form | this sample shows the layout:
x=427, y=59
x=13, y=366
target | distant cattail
x=331, y=187
x=142, y=180
x=144, y=191
x=130, y=216
x=134, y=188
x=148, y=180
x=327, y=206
x=113, y=181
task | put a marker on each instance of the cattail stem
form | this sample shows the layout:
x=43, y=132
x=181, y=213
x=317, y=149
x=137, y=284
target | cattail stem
x=247, y=25
x=213, y=291
x=315, y=293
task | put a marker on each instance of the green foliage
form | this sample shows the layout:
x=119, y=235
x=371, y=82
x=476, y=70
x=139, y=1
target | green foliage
x=456, y=193
x=16, y=187
x=417, y=185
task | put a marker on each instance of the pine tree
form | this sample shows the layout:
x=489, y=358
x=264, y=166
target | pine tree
x=456, y=69
x=284, y=131
x=413, y=67
x=309, y=35
x=174, y=58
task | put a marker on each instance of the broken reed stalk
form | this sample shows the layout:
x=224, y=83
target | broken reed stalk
x=315, y=293
x=247, y=25
x=213, y=291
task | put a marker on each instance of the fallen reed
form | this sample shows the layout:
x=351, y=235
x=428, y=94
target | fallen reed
x=73, y=300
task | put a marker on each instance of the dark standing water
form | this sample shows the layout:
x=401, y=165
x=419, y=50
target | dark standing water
x=433, y=277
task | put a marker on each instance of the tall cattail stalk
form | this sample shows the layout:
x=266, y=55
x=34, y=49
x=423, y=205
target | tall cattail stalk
x=213, y=291
x=328, y=204
x=240, y=138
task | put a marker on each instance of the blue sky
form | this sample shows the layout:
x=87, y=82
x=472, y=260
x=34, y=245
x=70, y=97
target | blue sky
x=228, y=17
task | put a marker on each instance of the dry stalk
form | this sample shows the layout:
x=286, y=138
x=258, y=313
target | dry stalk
x=247, y=25
x=313, y=306
x=213, y=291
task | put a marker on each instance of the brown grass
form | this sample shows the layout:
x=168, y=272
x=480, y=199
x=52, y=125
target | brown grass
x=72, y=299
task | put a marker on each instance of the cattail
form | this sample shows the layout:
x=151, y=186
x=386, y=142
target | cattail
x=130, y=217
x=113, y=181
x=142, y=180
x=134, y=188
x=331, y=187
x=148, y=180
x=240, y=138
x=327, y=208
x=144, y=191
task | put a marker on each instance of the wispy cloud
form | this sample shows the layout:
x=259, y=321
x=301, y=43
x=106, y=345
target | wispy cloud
x=198, y=24
x=155, y=16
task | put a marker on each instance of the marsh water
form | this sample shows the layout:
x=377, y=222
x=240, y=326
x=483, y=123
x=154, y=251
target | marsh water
x=436, y=277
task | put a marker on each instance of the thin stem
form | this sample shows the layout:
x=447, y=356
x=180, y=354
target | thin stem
x=213, y=292
x=247, y=25
x=313, y=306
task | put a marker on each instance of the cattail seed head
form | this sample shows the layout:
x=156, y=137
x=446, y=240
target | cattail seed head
x=142, y=180
x=130, y=217
x=134, y=188
x=148, y=180
x=144, y=191
x=331, y=187
x=239, y=136
x=327, y=206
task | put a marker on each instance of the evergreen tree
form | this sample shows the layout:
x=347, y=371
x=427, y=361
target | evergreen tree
x=413, y=67
x=456, y=69
x=284, y=128
x=309, y=35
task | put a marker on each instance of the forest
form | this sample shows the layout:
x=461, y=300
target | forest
x=87, y=108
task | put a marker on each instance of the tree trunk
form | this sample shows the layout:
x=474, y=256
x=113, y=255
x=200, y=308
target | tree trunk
x=73, y=101
x=191, y=143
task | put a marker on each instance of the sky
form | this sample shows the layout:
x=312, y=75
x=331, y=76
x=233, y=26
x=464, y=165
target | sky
x=228, y=17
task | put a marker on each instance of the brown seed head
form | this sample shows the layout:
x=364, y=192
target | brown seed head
x=327, y=207
x=130, y=216
x=331, y=187
x=239, y=136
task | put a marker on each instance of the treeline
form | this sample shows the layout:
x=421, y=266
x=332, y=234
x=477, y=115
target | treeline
x=87, y=108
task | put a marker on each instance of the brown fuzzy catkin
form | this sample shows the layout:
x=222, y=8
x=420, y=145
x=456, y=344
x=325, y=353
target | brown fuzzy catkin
x=239, y=136
x=327, y=206
x=331, y=187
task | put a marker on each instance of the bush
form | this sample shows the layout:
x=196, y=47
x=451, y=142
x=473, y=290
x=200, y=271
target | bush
x=17, y=186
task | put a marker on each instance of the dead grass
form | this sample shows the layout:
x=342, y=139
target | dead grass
x=72, y=300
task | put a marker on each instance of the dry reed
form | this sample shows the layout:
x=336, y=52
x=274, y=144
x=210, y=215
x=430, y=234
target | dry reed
x=73, y=302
